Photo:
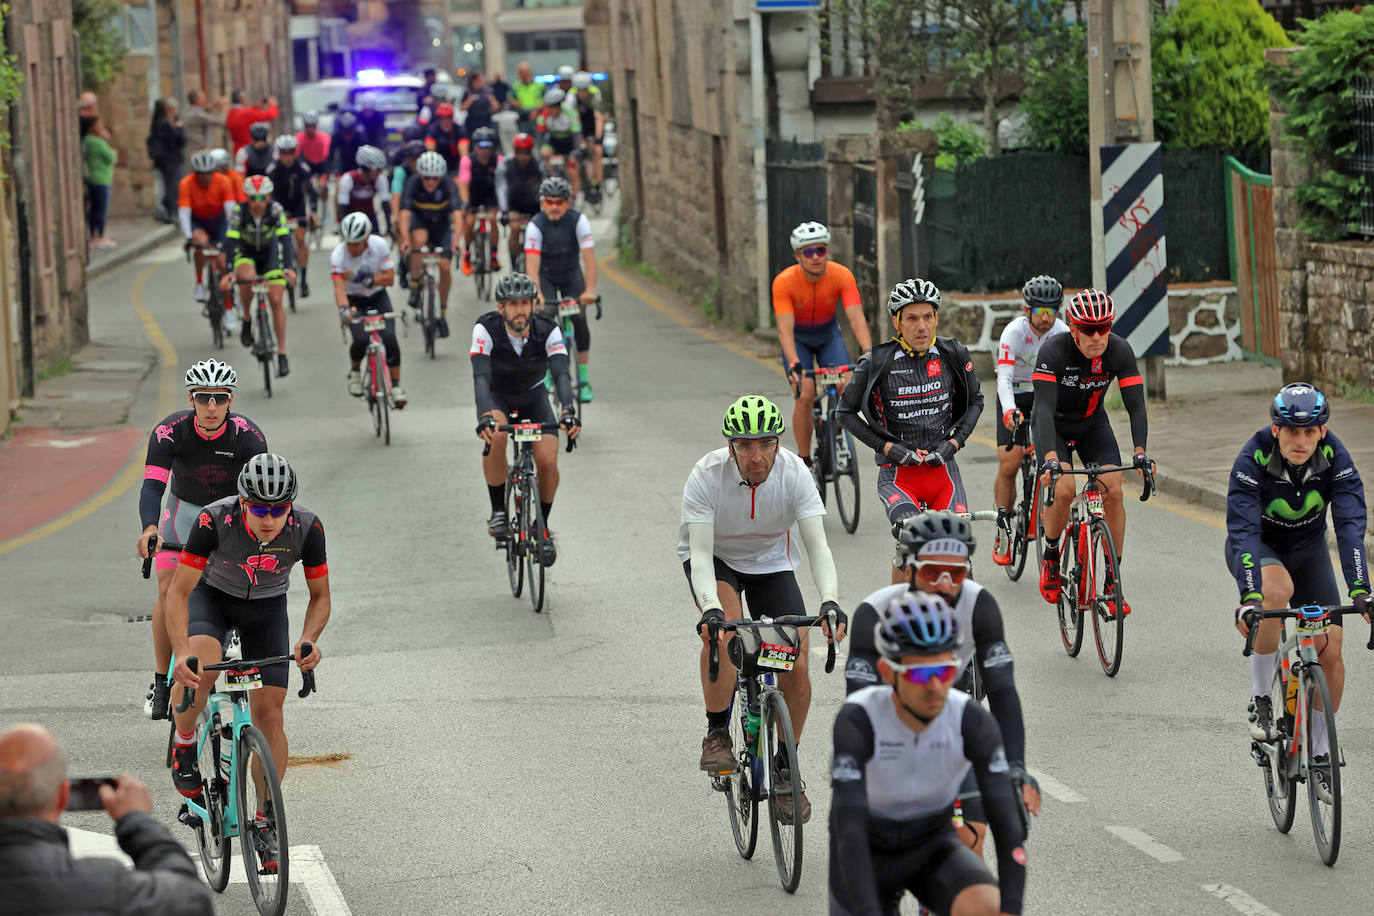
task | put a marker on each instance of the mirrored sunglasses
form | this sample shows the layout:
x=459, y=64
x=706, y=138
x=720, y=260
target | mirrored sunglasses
x=208, y=397
x=815, y=251
x=944, y=672
x=1095, y=330
x=556, y=201
x=937, y=571
x=263, y=511
x=1043, y=310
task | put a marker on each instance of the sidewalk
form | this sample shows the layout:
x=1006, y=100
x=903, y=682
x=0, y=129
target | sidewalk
x=135, y=237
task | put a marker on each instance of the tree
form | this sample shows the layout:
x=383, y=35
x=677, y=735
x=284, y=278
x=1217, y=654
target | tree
x=10, y=81
x=1055, y=101
x=102, y=43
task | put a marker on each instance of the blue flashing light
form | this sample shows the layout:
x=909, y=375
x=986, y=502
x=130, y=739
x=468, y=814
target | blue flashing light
x=598, y=76
x=546, y=78
x=371, y=75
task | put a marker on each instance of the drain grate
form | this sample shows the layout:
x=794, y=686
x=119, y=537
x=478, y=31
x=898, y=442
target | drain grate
x=141, y=618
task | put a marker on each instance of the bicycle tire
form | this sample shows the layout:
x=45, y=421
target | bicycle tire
x=1021, y=524
x=515, y=560
x=382, y=398
x=534, y=559
x=291, y=297
x=264, y=345
x=787, y=837
x=741, y=799
x=214, y=297
x=267, y=885
x=821, y=467
x=481, y=264
x=846, y=466
x=216, y=849
x=1109, y=629
x=1328, y=836
x=1070, y=608
x=1278, y=786
x=430, y=324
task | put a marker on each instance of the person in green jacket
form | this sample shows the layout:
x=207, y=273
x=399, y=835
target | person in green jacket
x=100, y=159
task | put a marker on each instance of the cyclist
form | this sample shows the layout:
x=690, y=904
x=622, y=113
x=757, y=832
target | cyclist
x=1281, y=484
x=914, y=400
x=201, y=449
x=558, y=247
x=477, y=188
x=292, y=187
x=512, y=349
x=224, y=165
x=362, y=269
x=313, y=144
x=234, y=571
x=587, y=98
x=343, y=149
x=806, y=299
x=205, y=199
x=361, y=189
x=255, y=158
x=562, y=132
x=517, y=190
x=1071, y=376
x=258, y=244
x=745, y=510
x=1016, y=355
x=937, y=547
x=429, y=216
x=447, y=137
x=402, y=167
x=891, y=833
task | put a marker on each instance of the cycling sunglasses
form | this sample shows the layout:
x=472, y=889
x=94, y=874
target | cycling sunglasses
x=556, y=201
x=264, y=511
x=1042, y=310
x=937, y=571
x=1095, y=330
x=206, y=397
x=815, y=251
x=944, y=672
x=260, y=198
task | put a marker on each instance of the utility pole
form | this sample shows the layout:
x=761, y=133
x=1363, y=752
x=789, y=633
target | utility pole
x=1120, y=110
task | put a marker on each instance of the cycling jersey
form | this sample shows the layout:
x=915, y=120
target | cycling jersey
x=431, y=210
x=357, y=194
x=235, y=562
x=343, y=151
x=517, y=189
x=251, y=160
x=291, y=187
x=203, y=467
x=314, y=150
x=878, y=807
x=755, y=526
x=1069, y=388
x=558, y=122
x=1271, y=503
x=374, y=259
x=250, y=238
x=480, y=179
x=446, y=143
x=1016, y=356
x=209, y=203
x=502, y=363
x=560, y=245
x=813, y=304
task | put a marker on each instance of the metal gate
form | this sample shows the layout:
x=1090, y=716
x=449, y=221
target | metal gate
x=865, y=264
x=797, y=191
x=1250, y=225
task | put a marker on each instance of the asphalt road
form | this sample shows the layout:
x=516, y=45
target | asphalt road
x=498, y=761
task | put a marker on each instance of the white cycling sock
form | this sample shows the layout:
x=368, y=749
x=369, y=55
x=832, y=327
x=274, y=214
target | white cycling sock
x=1321, y=742
x=185, y=740
x=1261, y=672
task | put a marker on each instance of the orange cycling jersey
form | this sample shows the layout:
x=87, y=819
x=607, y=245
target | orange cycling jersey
x=813, y=305
x=206, y=202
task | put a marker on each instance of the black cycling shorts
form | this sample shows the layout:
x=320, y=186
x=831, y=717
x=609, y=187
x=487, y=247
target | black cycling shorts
x=486, y=199
x=262, y=622
x=440, y=233
x=561, y=146
x=1092, y=440
x=765, y=594
x=1024, y=401
x=532, y=406
x=1314, y=578
x=934, y=871
x=582, y=334
x=266, y=262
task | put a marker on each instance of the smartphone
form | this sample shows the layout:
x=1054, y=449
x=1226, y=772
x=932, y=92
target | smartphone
x=85, y=794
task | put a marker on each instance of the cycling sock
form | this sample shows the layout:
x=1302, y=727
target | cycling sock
x=1261, y=670
x=1051, y=548
x=548, y=509
x=718, y=719
x=200, y=274
x=806, y=460
x=498, y=496
x=582, y=373
x=185, y=740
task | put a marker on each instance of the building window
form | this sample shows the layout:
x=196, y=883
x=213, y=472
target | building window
x=545, y=51
x=468, y=50
x=466, y=6
x=536, y=4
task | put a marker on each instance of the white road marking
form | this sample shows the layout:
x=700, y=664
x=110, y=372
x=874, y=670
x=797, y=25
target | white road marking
x=1147, y=844
x=1238, y=900
x=1055, y=789
x=64, y=443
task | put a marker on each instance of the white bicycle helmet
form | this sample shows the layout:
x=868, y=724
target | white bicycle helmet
x=220, y=155
x=286, y=143
x=356, y=227
x=430, y=165
x=211, y=373
x=582, y=80
x=203, y=161
x=554, y=96
x=911, y=291
x=266, y=479
x=916, y=623
x=566, y=72
x=369, y=157
x=809, y=233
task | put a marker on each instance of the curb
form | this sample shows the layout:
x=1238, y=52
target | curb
x=133, y=250
x=1193, y=489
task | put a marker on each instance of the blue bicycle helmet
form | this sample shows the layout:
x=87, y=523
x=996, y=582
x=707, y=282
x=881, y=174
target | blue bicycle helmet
x=1299, y=404
x=917, y=623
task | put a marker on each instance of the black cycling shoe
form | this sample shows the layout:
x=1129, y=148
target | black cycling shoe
x=443, y=327
x=186, y=770
x=547, y=553
x=283, y=367
x=246, y=334
x=305, y=289
x=156, y=704
x=498, y=526
x=265, y=843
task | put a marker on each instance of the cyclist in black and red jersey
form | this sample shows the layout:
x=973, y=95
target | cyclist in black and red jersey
x=447, y=138
x=1071, y=377
x=364, y=188
x=201, y=450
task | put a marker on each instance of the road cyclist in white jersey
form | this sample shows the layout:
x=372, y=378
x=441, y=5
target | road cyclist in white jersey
x=744, y=509
x=1016, y=356
x=901, y=751
x=362, y=268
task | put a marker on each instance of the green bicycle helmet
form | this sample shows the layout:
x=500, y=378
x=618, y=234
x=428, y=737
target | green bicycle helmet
x=752, y=417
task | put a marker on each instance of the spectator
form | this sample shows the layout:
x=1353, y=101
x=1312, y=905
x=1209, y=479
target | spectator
x=239, y=118
x=100, y=160
x=37, y=871
x=204, y=123
x=431, y=77
x=529, y=96
x=85, y=105
x=500, y=91
x=478, y=103
x=166, y=147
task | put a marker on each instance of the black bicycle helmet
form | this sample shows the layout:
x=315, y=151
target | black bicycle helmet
x=258, y=130
x=1043, y=290
x=413, y=149
x=515, y=286
x=555, y=186
x=915, y=623
x=1299, y=404
x=266, y=479
x=943, y=531
x=484, y=136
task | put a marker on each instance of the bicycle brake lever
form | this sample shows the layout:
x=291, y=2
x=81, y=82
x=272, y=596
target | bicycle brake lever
x=188, y=696
x=148, y=560
x=1250, y=641
x=307, y=677
x=713, y=662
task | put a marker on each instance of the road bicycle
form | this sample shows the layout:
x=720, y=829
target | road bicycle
x=526, y=530
x=1087, y=563
x=761, y=731
x=240, y=792
x=428, y=307
x=292, y=225
x=376, y=377
x=1016, y=526
x=1298, y=694
x=314, y=234
x=264, y=340
x=518, y=259
x=480, y=252
x=835, y=462
x=568, y=309
x=211, y=254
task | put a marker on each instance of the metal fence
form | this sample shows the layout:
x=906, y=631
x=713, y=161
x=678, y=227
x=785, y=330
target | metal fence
x=797, y=191
x=865, y=263
x=1361, y=164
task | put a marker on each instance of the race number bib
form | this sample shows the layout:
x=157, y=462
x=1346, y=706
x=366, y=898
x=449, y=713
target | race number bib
x=781, y=658
x=528, y=432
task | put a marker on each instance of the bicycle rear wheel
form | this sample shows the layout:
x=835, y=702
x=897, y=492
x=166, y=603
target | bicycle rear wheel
x=740, y=797
x=535, y=535
x=1325, y=806
x=1107, y=609
x=383, y=399
x=481, y=264
x=846, y=466
x=784, y=811
x=214, y=305
x=515, y=542
x=215, y=847
x=1278, y=787
x=264, y=347
x=263, y=844
x=291, y=297
x=1070, y=607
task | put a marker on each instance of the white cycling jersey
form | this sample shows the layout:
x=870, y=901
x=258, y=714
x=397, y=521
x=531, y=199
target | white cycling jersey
x=1016, y=355
x=374, y=259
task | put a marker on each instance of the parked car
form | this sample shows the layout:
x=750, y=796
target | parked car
x=396, y=98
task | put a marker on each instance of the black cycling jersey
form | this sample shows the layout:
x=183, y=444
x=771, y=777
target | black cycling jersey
x=516, y=366
x=257, y=161
x=560, y=264
x=482, y=178
x=237, y=563
x=429, y=209
x=1069, y=387
x=343, y=151
x=248, y=237
x=517, y=188
x=291, y=187
x=446, y=143
x=203, y=467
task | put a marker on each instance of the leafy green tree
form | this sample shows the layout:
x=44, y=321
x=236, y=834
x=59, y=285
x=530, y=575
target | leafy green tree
x=959, y=140
x=102, y=41
x=10, y=81
x=1055, y=101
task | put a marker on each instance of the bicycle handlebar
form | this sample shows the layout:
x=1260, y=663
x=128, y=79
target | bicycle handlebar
x=596, y=302
x=148, y=560
x=188, y=696
x=1015, y=428
x=812, y=373
x=1334, y=610
x=307, y=677
x=543, y=427
x=715, y=627
x=1094, y=471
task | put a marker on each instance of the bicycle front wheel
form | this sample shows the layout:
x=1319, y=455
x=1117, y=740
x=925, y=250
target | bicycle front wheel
x=215, y=847
x=846, y=464
x=262, y=823
x=535, y=536
x=784, y=810
x=740, y=796
x=1070, y=607
x=1021, y=526
x=515, y=537
x=1324, y=784
x=1278, y=785
x=264, y=348
x=431, y=322
x=1107, y=608
x=481, y=264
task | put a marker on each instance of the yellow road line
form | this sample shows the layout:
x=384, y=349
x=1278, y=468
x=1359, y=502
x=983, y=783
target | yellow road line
x=132, y=473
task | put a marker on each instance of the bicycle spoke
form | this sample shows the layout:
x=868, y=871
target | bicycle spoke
x=1283, y=801
x=740, y=797
x=214, y=762
x=784, y=810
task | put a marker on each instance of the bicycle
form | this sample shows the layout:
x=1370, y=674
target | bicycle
x=524, y=538
x=211, y=254
x=1299, y=689
x=518, y=259
x=291, y=225
x=377, y=381
x=264, y=340
x=760, y=730
x=481, y=252
x=315, y=232
x=429, y=295
x=1017, y=524
x=834, y=461
x=567, y=310
x=1087, y=557
x=236, y=763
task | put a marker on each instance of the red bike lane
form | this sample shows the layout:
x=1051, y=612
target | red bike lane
x=45, y=473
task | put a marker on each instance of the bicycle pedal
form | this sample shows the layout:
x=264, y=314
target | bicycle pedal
x=720, y=783
x=1257, y=754
x=186, y=817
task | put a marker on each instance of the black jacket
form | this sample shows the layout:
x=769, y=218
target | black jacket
x=39, y=875
x=166, y=143
x=855, y=408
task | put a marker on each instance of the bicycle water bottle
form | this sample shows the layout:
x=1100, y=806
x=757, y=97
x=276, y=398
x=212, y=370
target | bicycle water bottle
x=751, y=722
x=1291, y=694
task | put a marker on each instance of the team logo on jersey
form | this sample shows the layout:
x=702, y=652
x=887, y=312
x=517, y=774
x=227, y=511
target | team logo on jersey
x=845, y=769
x=997, y=655
x=997, y=763
x=968, y=366
x=260, y=563
x=241, y=423
x=932, y=368
x=1097, y=365
x=163, y=433
x=204, y=521
x=860, y=670
x=960, y=507
x=891, y=500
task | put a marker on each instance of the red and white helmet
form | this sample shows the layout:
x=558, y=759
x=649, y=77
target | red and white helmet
x=1091, y=306
x=257, y=187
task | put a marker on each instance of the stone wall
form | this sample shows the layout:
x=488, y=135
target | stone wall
x=1340, y=288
